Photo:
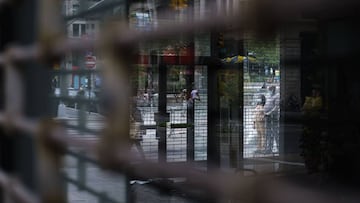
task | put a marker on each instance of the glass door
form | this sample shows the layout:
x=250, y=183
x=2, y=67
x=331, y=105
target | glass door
x=230, y=123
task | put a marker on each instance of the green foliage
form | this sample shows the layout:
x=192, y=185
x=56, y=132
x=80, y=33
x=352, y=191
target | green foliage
x=229, y=84
x=267, y=51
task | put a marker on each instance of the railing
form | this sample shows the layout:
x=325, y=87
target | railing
x=111, y=152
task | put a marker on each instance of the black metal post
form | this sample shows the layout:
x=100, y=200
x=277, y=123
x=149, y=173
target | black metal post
x=213, y=140
x=36, y=78
x=6, y=142
x=162, y=116
x=240, y=109
x=6, y=36
x=190, y=118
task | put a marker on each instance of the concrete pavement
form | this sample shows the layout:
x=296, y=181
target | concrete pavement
x=176, y=148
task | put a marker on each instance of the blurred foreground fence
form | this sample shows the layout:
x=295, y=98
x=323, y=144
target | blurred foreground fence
x=112, y=151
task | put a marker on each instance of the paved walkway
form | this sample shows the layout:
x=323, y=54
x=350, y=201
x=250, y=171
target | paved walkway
x=113, y=185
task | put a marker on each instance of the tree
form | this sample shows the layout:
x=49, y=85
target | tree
x=267, y=51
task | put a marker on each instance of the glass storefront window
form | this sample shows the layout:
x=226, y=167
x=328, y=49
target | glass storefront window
x=169, y=83
x=261, y=97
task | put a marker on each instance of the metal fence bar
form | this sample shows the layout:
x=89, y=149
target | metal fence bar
x=50, y=154
x=23, y=53
x=13, y=90
x=14, y=190
x=81, y=171
x=19, y=123
x=89, y=190
x=82, y=129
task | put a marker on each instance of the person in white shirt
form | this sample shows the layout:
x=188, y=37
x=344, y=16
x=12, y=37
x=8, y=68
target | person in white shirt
x=194, y=95
x=272, y=112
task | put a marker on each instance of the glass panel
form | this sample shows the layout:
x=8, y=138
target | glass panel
x=145, y=79
x=83, y=30
x=261, y=97
x=76, y=30
x=76, y=8
x=177, y=104
x=80, y=103
x=200, y=114
x=230, y=118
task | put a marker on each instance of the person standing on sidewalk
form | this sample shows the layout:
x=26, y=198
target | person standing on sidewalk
x=271, y=109
x=259, y=123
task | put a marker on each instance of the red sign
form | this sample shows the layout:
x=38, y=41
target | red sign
x=90, y=61
x=143, y=59
x=186, y=55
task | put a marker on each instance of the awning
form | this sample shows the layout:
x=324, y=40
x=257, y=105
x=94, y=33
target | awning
x=238, y=59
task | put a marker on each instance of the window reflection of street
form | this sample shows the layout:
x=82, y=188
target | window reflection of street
x=252, y=91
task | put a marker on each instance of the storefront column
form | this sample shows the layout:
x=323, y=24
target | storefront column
x=162, y=116
x=190, y=85
x=213, y=140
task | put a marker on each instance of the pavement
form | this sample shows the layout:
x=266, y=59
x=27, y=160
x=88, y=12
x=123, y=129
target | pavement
x=113, y=185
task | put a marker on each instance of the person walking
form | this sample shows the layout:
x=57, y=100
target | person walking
x=195, y=95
